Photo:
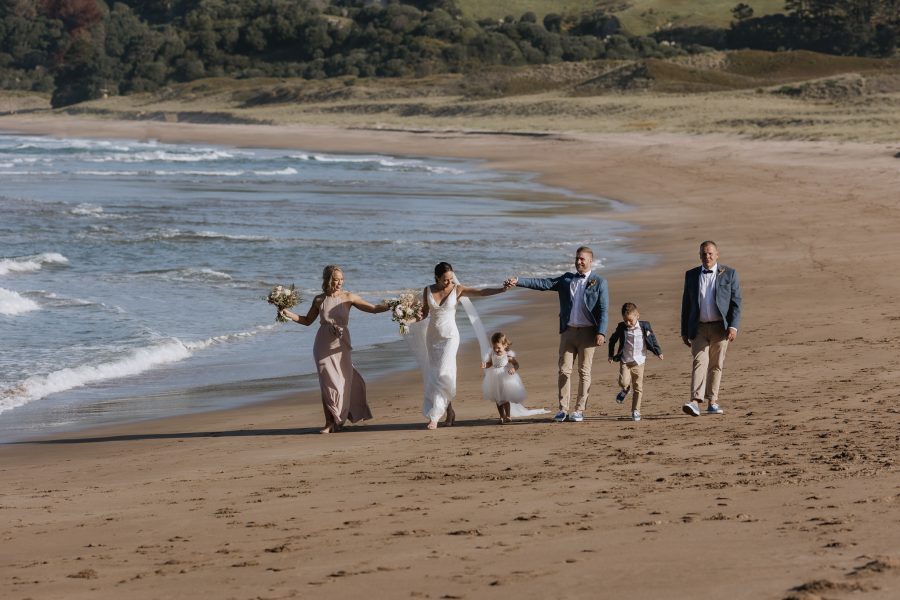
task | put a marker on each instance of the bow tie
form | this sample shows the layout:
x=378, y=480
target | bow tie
x=707, y=271
x=580, y=275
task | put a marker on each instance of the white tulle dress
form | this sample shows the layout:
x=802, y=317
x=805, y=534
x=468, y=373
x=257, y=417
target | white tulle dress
x=499, y=385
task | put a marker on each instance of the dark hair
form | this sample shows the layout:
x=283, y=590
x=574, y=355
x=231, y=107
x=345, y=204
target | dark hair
x=629, y=308
x=500, y=338
x=328, y=277
x=441, y=268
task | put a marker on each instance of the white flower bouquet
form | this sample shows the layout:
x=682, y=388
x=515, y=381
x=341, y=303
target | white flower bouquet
x=283, y=297
x=405, y=309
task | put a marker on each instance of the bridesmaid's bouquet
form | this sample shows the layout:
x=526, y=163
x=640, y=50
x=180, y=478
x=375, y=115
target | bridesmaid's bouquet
x=283, y=297
x=405, y=309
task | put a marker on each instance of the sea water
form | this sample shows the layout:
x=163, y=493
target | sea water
x=132, y=272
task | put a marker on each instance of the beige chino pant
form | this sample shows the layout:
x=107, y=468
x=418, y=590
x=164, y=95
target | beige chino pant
x=632, y=374
x=708, y=350
x=576, y=344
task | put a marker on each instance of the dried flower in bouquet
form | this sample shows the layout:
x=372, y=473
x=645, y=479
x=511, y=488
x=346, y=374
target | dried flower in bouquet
x=283, y=297
x=405, y=309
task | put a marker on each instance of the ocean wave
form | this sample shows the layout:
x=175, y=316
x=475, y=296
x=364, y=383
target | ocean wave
x=387, y=163
x=284, y=171
x=193, y=173
x=137, y=361
x=93, y=210
x=13, y=303
x=29, y=264
x=190, y=274
x=99, y=173
x=195, y=236
x=192, y=155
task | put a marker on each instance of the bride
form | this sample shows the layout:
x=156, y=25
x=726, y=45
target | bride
x=435, y=343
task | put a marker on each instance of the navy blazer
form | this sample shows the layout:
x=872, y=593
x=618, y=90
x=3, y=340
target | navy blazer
x=596, y=297
x=650, y=342
x=728, y=300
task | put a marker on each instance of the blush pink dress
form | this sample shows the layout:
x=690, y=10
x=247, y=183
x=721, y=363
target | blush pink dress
x=343, y=388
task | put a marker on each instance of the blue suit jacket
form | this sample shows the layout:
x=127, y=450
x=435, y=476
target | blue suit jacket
x=596, y=297
x=728, y=300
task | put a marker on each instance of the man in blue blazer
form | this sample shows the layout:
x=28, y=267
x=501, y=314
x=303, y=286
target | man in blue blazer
x=583, y=302
x=710, y=317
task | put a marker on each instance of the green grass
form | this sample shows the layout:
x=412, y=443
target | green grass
x=637, y=16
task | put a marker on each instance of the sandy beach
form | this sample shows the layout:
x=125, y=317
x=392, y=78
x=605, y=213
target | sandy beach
x=793, y=493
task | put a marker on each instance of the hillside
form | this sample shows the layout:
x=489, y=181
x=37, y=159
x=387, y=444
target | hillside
x=788, y=95
x=637, y=16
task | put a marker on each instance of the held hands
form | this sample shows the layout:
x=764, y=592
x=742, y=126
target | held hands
x=510, y=283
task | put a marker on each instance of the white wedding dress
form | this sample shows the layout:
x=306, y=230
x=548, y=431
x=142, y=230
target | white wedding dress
x=434, y=343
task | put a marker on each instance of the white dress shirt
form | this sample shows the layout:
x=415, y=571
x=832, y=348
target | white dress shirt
x=579, y=317
x=708, y=310
x=633, y=349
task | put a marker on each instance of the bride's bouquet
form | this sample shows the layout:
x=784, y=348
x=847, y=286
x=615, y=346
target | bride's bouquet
x=283, y=297
x=405, y=309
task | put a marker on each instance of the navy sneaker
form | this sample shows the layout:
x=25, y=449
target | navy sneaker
x=691, y=409
x=714, y=409
x=560, y=416
x=620, y=397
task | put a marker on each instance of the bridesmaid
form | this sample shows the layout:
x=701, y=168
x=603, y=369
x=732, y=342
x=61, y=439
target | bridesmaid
x=343, y=389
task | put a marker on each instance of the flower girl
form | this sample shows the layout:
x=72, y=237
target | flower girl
x=502, y=383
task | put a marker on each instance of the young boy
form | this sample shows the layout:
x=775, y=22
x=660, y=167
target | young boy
x=628, y=346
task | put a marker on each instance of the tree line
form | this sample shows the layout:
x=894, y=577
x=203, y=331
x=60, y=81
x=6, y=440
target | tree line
x=84, y=49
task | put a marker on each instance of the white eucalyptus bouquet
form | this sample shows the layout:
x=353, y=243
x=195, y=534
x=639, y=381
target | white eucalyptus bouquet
x=283, y=297
x=405, y=309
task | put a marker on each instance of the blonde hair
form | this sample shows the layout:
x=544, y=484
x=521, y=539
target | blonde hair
x=328, y=278
x=500, y=338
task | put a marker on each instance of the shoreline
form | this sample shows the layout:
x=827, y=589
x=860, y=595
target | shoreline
x=795, y=489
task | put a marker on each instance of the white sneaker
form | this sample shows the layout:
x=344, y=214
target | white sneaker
x=635, y=415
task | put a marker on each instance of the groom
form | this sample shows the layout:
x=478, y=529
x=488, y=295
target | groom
x=583, y=302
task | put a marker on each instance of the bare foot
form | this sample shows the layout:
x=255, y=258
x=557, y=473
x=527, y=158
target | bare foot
x=326, y=429
x=507, y=419
x=501, y=421
x=432, y=425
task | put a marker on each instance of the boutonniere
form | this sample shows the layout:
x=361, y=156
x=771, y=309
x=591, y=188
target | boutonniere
x=591, y=283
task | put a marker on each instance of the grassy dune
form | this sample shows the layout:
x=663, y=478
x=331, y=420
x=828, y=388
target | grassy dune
x=789, y=95
x=637, y=16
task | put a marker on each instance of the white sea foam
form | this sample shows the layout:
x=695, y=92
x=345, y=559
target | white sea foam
x=137, y=361
x=12, y=303
x=219, y=173
x=178, y=234
x=197, y=155
x=100, y=173
x=28, y=264
x=285, y=171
